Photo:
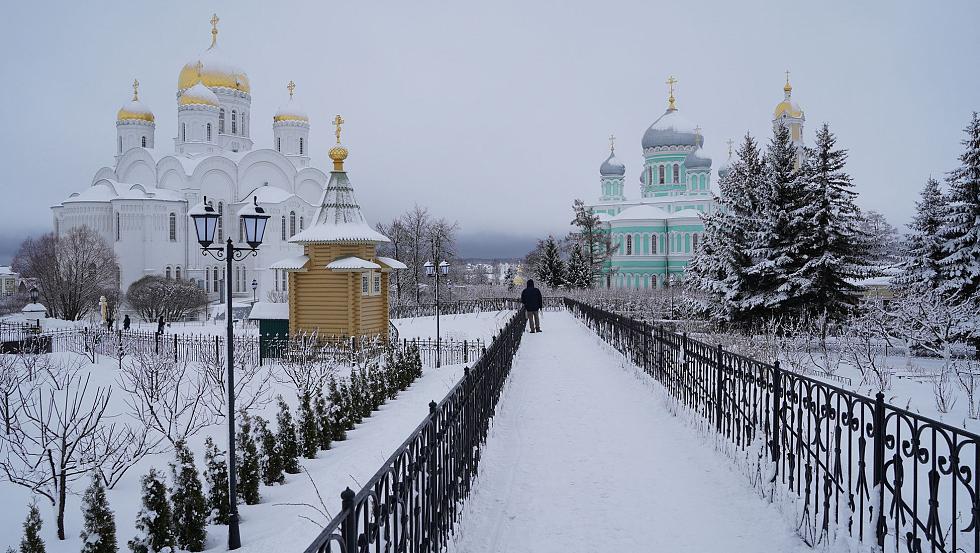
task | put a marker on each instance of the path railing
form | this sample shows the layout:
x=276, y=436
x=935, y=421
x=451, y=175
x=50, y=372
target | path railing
x=882, y=473
x=413, y=501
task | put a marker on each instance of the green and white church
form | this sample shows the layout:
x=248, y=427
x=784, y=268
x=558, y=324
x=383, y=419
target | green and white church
x=655, y=236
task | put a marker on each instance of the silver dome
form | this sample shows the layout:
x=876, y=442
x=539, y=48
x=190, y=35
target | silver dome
x=612, y=167
x=671, y=129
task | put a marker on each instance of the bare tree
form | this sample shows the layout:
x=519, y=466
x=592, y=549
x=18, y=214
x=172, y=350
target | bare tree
x=397, y=232
x=166, y=396
x=968, y=376
x=307, y=363
x=252, y=381
x=277, y=296
x=864, y=341
x=416, y=222
x=155, y=296
x=74, y=270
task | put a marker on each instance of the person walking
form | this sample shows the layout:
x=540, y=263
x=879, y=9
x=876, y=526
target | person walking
x=160, y=325
x=126, y=323
x=531, y=298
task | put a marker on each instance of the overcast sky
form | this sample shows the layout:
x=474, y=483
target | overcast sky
x=497, y=113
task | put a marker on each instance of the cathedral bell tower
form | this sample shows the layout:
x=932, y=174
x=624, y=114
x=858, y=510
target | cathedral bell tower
x=611, y=176
x=291, y=130
x=135, y=124
x=789, y=114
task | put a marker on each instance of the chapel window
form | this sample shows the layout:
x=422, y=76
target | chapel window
x=143, y=141
x=183, y=132
x=234, y=122
x=661, y=174
x=292, y=223
x=209, y=132
x=283, y=227
x=677, y=173
x=214, y=279
x=221, y=121
x=177, y=272
x=301, y=223
x=301, y=146
x=168, y=273
x=173, y=226
x=221, y=221
x=278, y=144
x=653, y=244
x=117, y=226
x=629, y=244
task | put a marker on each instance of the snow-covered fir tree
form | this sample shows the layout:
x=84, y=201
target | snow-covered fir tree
x=337, y=417
x=286, y=438
x=270, y=459
x=307, y=433
x=834, y=248
x=190, y=508
x=924, y=246
x=249, y=474
x=580, y=273
x=884, y=249
x=961, y=224
x=216, y=475
x=154, y=523
x=549, y=267
x=98, y=522
x=779, y=229
x=31, y=542
x=324, y=426
x=594, y=240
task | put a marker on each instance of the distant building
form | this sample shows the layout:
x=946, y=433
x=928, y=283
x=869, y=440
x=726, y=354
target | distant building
x=9, y=282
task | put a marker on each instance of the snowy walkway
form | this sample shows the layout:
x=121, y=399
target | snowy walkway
x=583, y=457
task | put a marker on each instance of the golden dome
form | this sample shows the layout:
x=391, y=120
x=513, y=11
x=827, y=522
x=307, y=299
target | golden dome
x=292, y=111
x=135, y=110
x=198, y=95
x=213, y=69
x=787, y=106
x=338, y=154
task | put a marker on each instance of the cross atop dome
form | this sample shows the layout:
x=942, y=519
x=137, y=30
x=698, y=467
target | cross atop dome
x=291, y=87
x=612, y=143
x=214, y=29
x=788, y=88
x=136, y=90
x=338, y=121
x=670, y=99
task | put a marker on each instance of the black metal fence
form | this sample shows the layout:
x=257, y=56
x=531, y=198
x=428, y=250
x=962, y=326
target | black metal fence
x=882, y=473
x=413, y=501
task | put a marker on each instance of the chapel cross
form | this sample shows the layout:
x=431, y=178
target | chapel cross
x=291, y=86
x=214, y=29
x=136, y=90
x=612, y=143
x=730, y=142
x=787, y=76
x=338, y=121
x=670, y=83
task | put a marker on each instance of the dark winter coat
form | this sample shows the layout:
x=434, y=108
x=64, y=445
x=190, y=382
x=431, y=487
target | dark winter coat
x=126, y=322
x=531, y=297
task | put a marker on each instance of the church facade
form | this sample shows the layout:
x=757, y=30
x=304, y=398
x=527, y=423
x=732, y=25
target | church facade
x=139, y=203
x=655, y=236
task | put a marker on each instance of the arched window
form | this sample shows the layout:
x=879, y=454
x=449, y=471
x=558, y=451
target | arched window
x=238, y=279
x=694, y=241
x=629, y=244
x=234, y=122
x=120, y=144
x=207, y=281
x=660, y=174
x=143, y=141
x=653, y=244
x=173, y=227
x=214, y=279
x=221, y=121
x=677, y=173
x=221, y=221
x=278, y=144
x=687, y=243
x=183, y=132
x=285, y=280
x=301, y=145
x=292, y=223
x=283, y=227
x=209, y=132
x=117, y=226
x=301, y=224
x=177, y=272
x=168, y=272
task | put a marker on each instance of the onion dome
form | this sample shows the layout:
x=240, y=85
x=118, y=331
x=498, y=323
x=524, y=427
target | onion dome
x=135, y=110
x=726, y=166
x=671, y=129
x=787, y=107
x=612, y=167
x=213, y=69
x=696, y=161
x=198, y=95
x=292, y=111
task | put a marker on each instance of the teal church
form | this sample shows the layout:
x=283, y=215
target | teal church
x=655, y=236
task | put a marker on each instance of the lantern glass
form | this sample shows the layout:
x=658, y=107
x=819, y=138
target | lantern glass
x=444, y=268
x=254, y=219
x=205, y=222
x=255, y=284
x=34, y=294
x=429, y=268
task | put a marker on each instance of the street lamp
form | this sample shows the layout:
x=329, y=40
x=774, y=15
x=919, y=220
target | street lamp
x=430, y=271
x=255, y=286
x=253, y=219
x=34, y=294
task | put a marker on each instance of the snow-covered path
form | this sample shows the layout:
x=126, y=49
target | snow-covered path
x=584, y=457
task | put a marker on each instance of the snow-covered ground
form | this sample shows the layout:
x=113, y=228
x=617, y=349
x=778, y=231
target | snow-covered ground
x=582, y=457
x=465, y=326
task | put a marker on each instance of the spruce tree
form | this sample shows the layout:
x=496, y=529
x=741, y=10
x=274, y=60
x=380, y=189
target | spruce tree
x=249, y=475
x=216, y=475
x=779, y=227
x=834, y=249
x=32, y=542
x=270, y=459
x=154, y=523
x=286, y=438
x=924, y=246
x=580, y=274
x=961, y=225
x=98, y=522
x=592, y=238
x=190, y=508
x=324, y=430
x=550, y=267
x=308, y=440
x=336, y=411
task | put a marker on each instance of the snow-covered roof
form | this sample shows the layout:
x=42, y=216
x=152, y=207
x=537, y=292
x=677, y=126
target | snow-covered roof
x=392, y=262
x=270, y=194
x=292, y=111
x=291, y=263
x=198, y=95
x=106, y=190
x=603, y=216
x=339, y=218
x=641, y=212
x=612, y=167
x=686, y=214
x=670, y=129
x=269, y=310
x=5, y=270
x=352, y=264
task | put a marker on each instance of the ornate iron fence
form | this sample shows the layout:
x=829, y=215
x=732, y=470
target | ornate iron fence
x=880, y=472
x=413, y=501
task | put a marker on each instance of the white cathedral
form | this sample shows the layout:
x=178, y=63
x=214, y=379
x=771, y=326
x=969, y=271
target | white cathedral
x=140, y=204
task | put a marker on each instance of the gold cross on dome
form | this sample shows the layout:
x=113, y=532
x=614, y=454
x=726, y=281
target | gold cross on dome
x=787, y=76
x=612, y=143
x=214, y=29
x=670, y=84
x=730, y=142
x=338, y=121
x=291, y=86
x=136, y=89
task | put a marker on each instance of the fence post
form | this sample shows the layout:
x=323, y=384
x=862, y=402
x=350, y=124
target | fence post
x=466, y=352
x=879, y=467
x=348, y=528
x=682, y=369
x=646, y=347
x=777, y=393
x=175, y=347
x=156, y=342
x=719, y=389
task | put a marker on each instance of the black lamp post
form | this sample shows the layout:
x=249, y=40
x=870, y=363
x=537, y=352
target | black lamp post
x=430, y=271
x=255, y=286
x=34, y=294
x=254, y=219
